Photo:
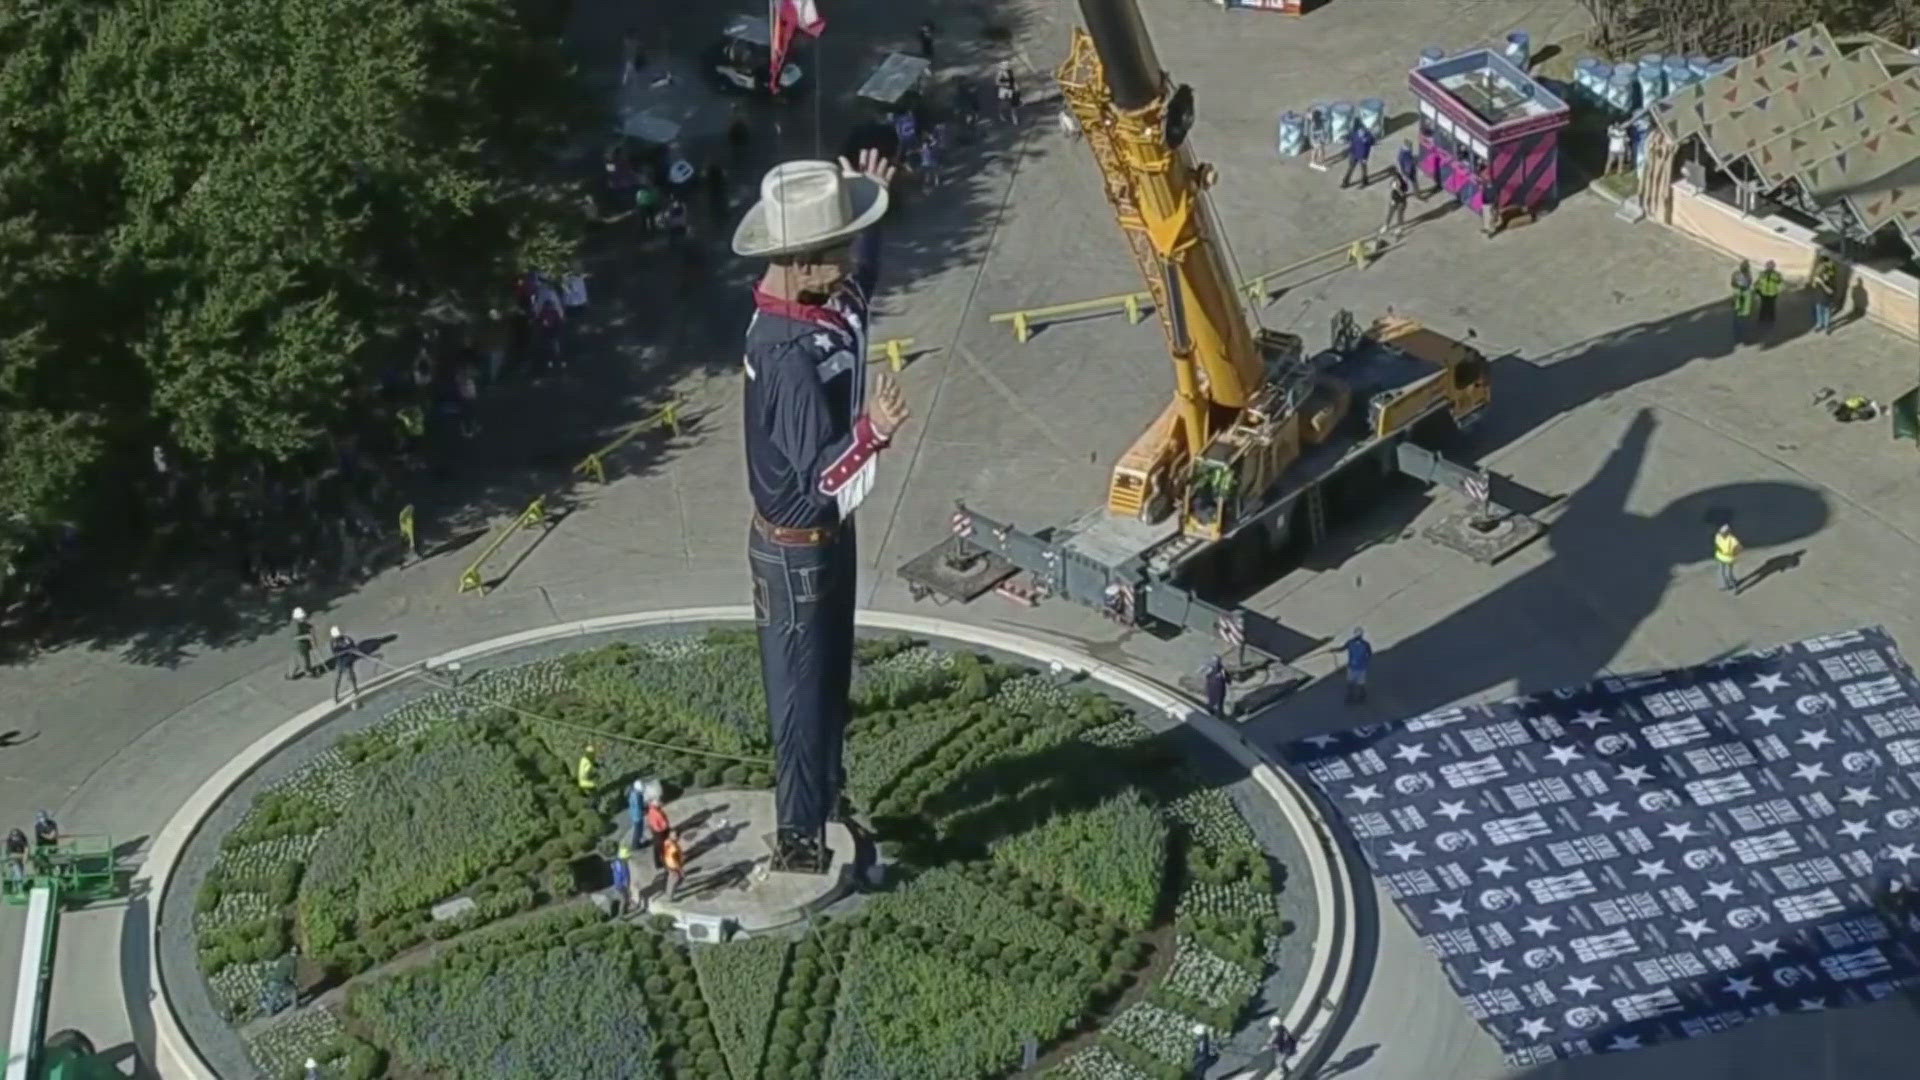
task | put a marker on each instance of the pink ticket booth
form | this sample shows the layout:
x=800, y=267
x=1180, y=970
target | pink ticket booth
x=1489, y=132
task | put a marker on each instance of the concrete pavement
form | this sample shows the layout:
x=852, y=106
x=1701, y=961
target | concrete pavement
x=1618, y=387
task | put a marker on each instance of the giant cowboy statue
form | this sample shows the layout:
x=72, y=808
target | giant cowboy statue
x=814, y=429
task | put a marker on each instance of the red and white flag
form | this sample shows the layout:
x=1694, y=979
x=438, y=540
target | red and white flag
x=786, y=16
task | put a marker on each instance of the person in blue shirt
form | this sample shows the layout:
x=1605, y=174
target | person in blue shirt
x=1359, y=148
x=1216, y=681
x=622, y=881
x=1407, y=165
x=1359, y=659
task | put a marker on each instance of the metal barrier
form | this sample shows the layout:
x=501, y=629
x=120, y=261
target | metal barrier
x=1258, y=289
x=595, y=464
x=534, y=514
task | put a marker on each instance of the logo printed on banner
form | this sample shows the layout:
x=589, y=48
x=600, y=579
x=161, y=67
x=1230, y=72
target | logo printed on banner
x=1678, y=851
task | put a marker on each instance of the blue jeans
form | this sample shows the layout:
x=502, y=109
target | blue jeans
x=1823, y=316
x=803, y=604
x=1727, y=579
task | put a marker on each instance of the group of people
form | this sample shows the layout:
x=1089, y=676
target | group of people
x=649, y=829
x=340, y=654
x=1756, y=298
x=28, y=858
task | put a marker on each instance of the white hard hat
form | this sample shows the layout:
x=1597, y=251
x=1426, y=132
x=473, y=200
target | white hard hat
x=312, y=1064
x=1273, y=1021
x=333, y=631
x=300, y=613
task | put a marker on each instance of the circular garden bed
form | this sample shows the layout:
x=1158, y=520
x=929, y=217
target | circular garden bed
x=1059, y=875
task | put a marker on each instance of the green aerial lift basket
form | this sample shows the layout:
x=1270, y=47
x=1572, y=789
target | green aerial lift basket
x=81, y=868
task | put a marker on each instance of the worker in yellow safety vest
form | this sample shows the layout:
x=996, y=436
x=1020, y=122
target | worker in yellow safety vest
x=1726, y=548
x=1768, y=285
x=583, y=773
x=1742, y=285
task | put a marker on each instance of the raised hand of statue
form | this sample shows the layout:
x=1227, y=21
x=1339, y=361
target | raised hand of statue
x=872, y=163
x=888, y=407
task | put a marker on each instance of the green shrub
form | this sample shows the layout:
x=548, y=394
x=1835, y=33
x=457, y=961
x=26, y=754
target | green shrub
x=741, y=981
x=1111, y=858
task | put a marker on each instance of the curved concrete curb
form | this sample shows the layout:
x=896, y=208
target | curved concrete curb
x=1330, y=969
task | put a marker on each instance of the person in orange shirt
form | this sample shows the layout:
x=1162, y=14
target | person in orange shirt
x=676, y=861
x=657, y=828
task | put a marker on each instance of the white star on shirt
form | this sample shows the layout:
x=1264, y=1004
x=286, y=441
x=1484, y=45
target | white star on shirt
x=1606, y=811
x=1491, y=969
x=1695, y=929
x=1582, y=985
x=1453, y=811
x=1860, y=796
x=1411, y=752
x=1740, y=988
x=822, y=342
x=1818, y=1004
x=1540, y=927
x=1679, y=831
x=1634, y=774
x=1533, y=1027
x=1364, y=795
x=1589, y=719
x=1765, y=715
x=1855, y=829
x=1624, y=1042
x=1722, y=890
x=1403, y=852
x=1766, y=949
x=1450, y=909
x=1811, y=771
x=1770, y=681
x=1561, y=755
x=1903, y=853
x=1815, y=739
x=1497, y=868
x=1652, y=871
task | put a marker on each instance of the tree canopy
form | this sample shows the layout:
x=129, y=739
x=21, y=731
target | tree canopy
x=216, y=221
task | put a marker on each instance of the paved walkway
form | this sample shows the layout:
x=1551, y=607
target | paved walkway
x=1617, y=387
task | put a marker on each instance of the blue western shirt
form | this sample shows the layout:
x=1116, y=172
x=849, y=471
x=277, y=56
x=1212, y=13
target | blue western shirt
x=1359, y=654
x=810, y=446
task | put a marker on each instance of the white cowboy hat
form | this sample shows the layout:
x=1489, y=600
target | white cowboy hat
x=806, y=205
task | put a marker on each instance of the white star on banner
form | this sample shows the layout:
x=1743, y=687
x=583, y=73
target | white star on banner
x=1766, y=949
x=1563, y=754
x=1540, y=927
x=1811, y=771
x=1450, y=909
x=1411, y=752
x=1589, y=719
x=1634, y=774
x=1860, y=796
x=1491, y=969
x=1902, y=853
x=1403, y=852
x=1815, y=739
x=1652, y=871
x=1453, y=811
x=1624, y=1042
x=1855, y=829
x=1498, y=868
x=1606, y=811
x=1769, y=681
x=1679, y=831
x=1765, y=715
x=1364, y=795
x=1818, y=1004
x=1533, y=1027
x=1740, y=988
x=1322, y=741
x=1695, y=929
x=1722, y=890
x=1582, y=985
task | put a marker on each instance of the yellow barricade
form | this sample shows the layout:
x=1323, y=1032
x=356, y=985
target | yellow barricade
x=595, y=464
x=534, y=514
x=893, y=350
x=1257, y=289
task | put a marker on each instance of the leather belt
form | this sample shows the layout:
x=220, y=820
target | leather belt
x=783, y=534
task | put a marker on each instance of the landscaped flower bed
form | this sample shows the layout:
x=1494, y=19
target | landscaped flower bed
x=1045, y=848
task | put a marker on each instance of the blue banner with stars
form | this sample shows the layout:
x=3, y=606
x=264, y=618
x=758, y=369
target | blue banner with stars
x=1658, y=856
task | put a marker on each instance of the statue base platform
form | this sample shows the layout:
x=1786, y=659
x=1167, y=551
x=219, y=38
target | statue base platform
x=729, y=876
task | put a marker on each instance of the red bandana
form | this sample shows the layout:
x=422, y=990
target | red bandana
x=799, y=312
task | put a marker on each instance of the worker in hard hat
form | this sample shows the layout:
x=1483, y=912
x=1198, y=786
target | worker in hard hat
x=303, y=644
x=1727, y=549
x=1359, y=662
x=584, y=772
x=346, y=652
x=622, y=877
